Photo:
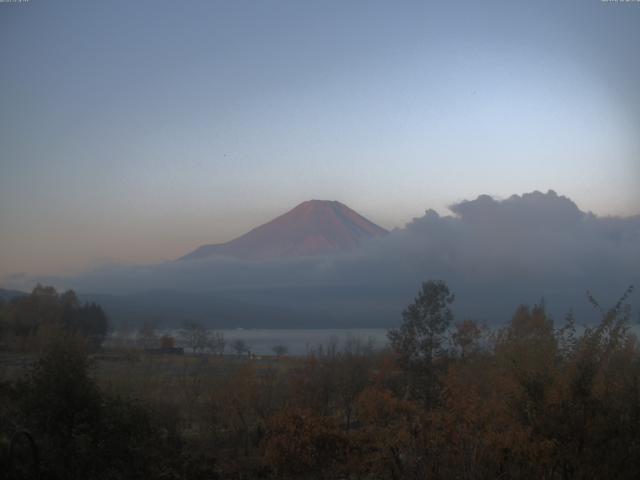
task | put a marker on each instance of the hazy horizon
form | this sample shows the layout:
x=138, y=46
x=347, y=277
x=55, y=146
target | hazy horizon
x=494, y=254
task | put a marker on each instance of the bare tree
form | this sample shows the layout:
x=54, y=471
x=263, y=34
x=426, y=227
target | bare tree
x=280, y=350
x=216, y=342
x=194, y=336
x=240, y=346
x=147, y=337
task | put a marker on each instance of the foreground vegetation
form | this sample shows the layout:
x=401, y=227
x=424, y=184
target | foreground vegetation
x=447, y=400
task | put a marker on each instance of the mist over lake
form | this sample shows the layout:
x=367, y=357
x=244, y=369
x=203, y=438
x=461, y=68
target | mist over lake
x=297, y=341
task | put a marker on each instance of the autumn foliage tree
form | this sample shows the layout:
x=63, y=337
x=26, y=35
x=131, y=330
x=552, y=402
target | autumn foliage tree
x=31, y=319
x=419, y=342
x=80, y=431
x=303, y=443
x=533, y=399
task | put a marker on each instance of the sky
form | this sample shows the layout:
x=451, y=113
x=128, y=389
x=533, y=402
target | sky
x=132, y=132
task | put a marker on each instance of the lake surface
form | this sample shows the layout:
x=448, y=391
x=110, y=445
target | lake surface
x=297, y=341
x=300, y=341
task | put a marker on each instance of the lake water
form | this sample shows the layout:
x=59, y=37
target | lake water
x=297, y=341
x=300, y=341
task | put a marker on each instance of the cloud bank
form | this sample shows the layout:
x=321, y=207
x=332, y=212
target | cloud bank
x=495, y=255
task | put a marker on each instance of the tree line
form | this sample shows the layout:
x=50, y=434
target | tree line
x=31, y=321
x=448, y=399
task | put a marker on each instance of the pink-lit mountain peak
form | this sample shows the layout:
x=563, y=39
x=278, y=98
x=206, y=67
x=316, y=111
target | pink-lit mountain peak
x=313, y=227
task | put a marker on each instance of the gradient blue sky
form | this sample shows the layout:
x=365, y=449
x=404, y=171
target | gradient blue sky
x=135, y=131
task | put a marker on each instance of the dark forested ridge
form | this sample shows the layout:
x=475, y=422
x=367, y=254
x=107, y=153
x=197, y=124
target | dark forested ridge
x=9, y=294
x=275, y=307
x=171, y=309
x=449, y=399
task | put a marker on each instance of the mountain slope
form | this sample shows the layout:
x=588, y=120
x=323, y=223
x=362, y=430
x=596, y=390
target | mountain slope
x=313, y=227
